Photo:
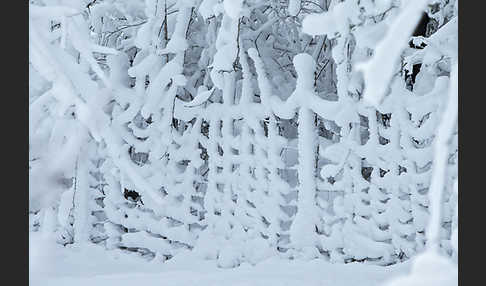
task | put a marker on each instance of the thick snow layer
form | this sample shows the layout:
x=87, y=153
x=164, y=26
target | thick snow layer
x=116, y=146
x=233, y=8
x=206, y=9
x=294, y=7
x=429, y=269
x=53, y=265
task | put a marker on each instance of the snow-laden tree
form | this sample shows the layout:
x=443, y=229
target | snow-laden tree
x=65, y=121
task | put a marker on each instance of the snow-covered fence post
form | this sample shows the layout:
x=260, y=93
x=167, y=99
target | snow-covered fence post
x=303, y=100
x=303, y=229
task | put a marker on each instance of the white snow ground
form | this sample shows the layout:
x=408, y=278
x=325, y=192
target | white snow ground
x=52, y=265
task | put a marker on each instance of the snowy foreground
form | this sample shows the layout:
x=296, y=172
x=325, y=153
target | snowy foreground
x=51, y=264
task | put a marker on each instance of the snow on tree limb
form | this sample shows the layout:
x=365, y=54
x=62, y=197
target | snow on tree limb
x=91, y=116
x=379, y=70
x=444, y=132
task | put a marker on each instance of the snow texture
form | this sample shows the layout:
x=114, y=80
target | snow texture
x=298, y=141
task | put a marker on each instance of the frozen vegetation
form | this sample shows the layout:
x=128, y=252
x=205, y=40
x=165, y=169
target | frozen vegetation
x=243, y=142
